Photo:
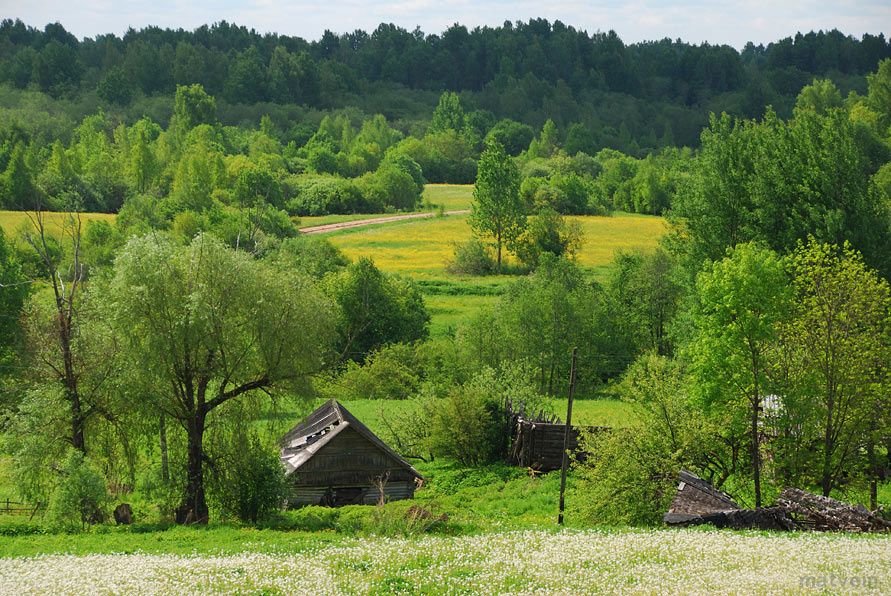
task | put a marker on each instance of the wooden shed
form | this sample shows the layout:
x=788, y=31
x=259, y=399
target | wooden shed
x=333, y=459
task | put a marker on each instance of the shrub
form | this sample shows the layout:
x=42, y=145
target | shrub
x=250, y=481
x=388, y=373
x=321, y=195
x=548, y=232
x=630, y=474
x=469, y=424
x=82, y=494
x=471, y=258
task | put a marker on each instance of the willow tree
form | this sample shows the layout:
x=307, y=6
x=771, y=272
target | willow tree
x=203, y=327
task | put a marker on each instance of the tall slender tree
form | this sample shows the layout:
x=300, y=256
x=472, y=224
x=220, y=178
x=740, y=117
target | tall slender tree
x=497, y=210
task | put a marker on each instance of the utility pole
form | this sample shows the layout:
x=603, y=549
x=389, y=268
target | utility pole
x=566, y=432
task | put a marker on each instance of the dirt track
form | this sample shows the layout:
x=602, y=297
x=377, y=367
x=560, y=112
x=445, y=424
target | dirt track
x=375, y=220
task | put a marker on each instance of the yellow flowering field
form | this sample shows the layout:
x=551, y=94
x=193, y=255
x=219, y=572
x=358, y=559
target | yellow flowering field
x=421, y=248
x=451, y=197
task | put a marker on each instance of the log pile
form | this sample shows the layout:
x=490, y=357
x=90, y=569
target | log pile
x=830, y=515
x=698, y=502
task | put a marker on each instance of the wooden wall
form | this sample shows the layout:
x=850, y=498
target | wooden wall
x=539, y=445
x=348, y=463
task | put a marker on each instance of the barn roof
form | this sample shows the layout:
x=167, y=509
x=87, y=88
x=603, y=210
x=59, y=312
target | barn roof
x=696, y=497
x=303, y=441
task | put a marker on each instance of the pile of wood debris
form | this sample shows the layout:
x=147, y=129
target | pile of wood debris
x=698, y=502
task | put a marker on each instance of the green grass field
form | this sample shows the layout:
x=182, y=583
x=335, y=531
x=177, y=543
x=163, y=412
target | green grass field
x=12, y=221
x=451, y=197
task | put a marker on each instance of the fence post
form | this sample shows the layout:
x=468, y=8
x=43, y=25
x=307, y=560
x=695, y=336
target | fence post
x=566, y=432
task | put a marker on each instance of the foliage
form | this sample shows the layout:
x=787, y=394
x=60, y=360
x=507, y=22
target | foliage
x=648, y=293
x=249, y=481
x=496, y=210
x=13, y=291
x=630, y=474
x=742, y=301
x=540, y=319
x=548, y=232
x=375, y=308
x=776, y=182
x=212, y=327
x=472, y=257
x=389, y=372
x=314, y=255
x=468, y=424
x=840, y=321
x=81, y=495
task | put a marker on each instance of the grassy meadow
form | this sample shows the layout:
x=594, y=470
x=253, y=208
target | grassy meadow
x=13, y=221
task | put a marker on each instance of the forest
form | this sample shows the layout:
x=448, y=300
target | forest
x=163, y=317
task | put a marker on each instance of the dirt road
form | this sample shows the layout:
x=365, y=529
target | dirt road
x=365, y=222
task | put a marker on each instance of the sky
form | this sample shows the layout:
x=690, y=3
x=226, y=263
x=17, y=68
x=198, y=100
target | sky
x=694, y=21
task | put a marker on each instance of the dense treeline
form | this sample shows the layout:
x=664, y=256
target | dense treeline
x=634, y=98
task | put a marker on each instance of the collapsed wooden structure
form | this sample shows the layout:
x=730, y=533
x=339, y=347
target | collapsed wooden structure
x=698, y=502
x=332, y=459
x=536, y=442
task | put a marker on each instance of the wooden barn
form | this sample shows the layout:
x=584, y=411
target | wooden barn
x=333, y=459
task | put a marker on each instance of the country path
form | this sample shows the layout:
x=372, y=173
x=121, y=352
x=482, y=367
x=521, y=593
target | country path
x=375, y=220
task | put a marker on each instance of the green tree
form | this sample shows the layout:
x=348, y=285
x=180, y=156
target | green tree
x=819, y=96
x=115, y=87
x=841, y=323
x=497, y=210
x=143, y=165
x=14, y=289
x=208, y=328
x=82, y=493
x=376, y=309
x=17, y=190
x=647, y=292
x=742, y=301
x=879, y=97
x=448, y=115
x=191, y=107
x=549, y=232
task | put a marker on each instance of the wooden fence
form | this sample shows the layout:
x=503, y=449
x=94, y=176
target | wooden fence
x=539, y=445
x=16, y=508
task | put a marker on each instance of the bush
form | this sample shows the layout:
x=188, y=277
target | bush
x=548, y=232
x=82, y=494
x=469, y=425
x=250, y=482
x=471, y=258
x=630, y=474
x=322, y=195
x=388, y=373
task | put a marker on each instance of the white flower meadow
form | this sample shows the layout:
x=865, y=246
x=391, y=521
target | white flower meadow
x=534, y=562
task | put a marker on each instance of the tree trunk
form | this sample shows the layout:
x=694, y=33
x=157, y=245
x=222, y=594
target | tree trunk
x=756, y=451
x=165, y=470
x=70, y=382
x=77, y=423
x=193, y=508
x=826, y=483
x=499, y=253
x=873, y=474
